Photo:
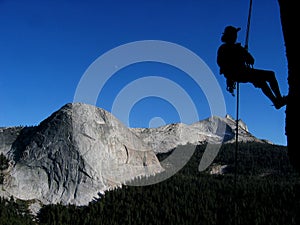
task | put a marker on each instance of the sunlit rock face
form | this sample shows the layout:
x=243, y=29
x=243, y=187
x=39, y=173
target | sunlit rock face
x=213, y=130
x=77, y=152
x=82, y=150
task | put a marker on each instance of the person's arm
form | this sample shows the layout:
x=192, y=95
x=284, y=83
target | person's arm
x=221, y=59
x=249, y=59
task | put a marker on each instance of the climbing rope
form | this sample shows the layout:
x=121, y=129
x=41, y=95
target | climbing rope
x=237, y=116
x=248, y=25
x=237, y=98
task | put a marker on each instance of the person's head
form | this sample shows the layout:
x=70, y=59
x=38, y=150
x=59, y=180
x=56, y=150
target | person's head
x=230, y=34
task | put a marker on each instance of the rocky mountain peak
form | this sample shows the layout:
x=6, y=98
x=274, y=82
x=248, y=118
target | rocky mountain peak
x=81, y=150
x=213, y=130
x=77, y=152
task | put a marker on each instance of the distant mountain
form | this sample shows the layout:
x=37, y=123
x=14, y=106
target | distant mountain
x=212, y=130
x=81, y=150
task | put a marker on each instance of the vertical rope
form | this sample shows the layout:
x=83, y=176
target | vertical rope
x=236, y=150
x=236, y=133
x=237, y=119
x=248, y=25
x=237, y=100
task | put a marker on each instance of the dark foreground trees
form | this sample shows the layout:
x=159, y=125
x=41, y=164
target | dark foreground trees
x=267, y=191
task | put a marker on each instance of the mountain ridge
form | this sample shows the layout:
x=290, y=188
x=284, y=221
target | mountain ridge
x=81, y=150
x=62, y=161
x=213, y=130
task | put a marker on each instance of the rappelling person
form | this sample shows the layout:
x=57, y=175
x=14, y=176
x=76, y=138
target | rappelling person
x=236, y=64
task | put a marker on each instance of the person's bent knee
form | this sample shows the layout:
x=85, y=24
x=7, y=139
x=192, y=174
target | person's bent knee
x=271, y=75
x=259, y=84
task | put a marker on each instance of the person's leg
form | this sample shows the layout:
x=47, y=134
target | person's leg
x=260, y=78
x=270, y=77
x=268, y=92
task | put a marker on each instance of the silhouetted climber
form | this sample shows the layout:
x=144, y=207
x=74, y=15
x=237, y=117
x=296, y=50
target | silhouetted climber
x=236, y=64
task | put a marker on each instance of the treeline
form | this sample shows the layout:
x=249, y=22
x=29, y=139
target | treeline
x=265, y=191
x=253, y=159
x=202, y=200
x=3, y=166
x=256, y=159
x=15, y=212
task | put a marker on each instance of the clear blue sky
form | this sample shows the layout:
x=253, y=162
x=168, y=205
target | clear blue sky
x=46, y=47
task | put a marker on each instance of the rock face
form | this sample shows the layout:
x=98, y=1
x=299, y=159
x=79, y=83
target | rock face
x=214, y=130
x=77, y=152
x=81, y=150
